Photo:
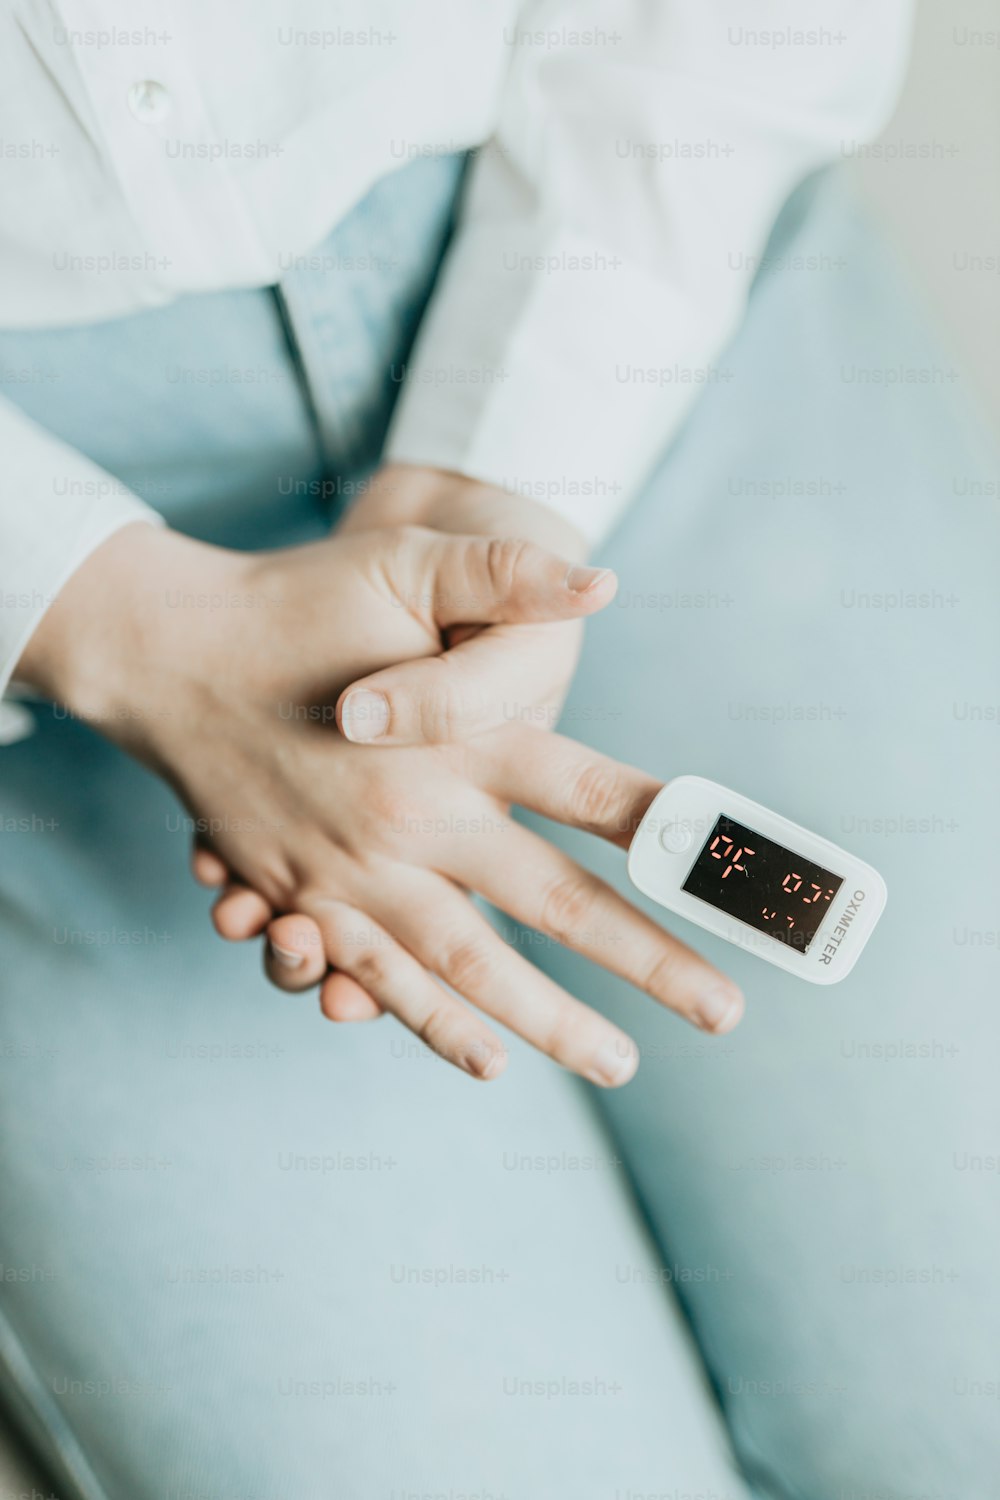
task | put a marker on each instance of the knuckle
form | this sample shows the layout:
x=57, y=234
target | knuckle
x=661, y=975
x=435, y=1028
x=567, y=906
x=465, y=965
x=505, y=557
x=350, y=941
x=595, y=798
x=370, y=968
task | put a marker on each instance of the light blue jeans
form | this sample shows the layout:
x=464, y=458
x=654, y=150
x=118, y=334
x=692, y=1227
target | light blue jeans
x=248, y=1256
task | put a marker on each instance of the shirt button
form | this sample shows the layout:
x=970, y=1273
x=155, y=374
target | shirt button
x=149, y=101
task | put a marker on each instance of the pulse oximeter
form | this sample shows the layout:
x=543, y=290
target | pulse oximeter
x=756, y=879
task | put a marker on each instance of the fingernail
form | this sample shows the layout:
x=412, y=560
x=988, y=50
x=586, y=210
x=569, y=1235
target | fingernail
x=719, y=1009
x=365, y=715
x=285, y=956
x=579, y=580
x=615, y=1064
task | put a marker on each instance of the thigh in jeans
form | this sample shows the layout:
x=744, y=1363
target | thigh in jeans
x=247, y=1255
x=808, y=612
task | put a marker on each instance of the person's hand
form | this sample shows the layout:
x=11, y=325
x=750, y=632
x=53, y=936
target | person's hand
x=519, y=873
x=537, y=659
x=376, y=846
x=511, y=672
x=517, y=671
x=477, y=848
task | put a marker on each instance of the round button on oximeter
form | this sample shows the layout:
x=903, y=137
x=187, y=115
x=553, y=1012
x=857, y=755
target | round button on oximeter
x=756, y=879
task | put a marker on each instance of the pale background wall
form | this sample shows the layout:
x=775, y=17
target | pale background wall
x=937, y=211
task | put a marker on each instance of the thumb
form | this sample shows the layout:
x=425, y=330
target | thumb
x=497, y=675
x=505, y=580
x=475, y=581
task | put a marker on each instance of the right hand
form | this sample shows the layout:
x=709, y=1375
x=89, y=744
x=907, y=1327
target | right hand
x=377, y=846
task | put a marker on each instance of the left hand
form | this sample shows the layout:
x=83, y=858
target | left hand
x=432, y=829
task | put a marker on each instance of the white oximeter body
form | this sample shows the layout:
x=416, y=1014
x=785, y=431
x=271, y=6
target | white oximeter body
x=756, y=879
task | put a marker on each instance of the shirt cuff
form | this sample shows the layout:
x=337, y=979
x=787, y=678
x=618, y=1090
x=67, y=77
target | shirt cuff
x=56, y=508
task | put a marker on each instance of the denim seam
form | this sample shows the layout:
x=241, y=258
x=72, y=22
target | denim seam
x=290, y=324
x=24, y=1378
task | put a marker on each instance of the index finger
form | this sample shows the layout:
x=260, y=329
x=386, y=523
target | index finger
x=565, y=781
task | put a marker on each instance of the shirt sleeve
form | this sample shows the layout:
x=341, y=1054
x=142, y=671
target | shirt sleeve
x=56, y=507
x=610, y=230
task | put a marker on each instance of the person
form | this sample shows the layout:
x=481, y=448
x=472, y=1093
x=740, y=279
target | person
x=294, y=1258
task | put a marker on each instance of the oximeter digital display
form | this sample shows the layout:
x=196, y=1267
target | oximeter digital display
x=783, y=893
x=753, y=877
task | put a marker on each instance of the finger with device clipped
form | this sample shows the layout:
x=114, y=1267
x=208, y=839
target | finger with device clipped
x=543, y=888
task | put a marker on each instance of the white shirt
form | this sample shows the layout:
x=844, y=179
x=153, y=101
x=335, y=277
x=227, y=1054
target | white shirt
x=638, y=151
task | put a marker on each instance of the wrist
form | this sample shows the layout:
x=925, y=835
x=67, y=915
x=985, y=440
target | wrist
x=408, y=495
x=109, y=641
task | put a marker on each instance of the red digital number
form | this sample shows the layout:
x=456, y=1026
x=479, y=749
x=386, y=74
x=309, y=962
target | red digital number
x=731, y=859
